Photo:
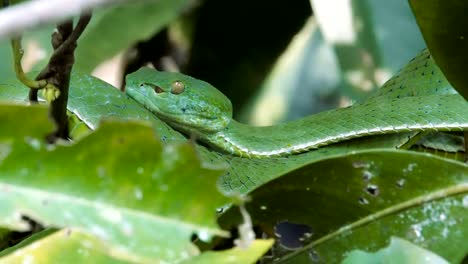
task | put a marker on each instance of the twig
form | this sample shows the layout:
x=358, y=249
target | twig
x=13, y=20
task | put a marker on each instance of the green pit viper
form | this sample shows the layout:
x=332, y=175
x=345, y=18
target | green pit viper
x=417, y=98
x=196, y=108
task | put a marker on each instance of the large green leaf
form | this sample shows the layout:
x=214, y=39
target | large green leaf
x=385, y=188
x=116, y=28
x=132, y=197
x=445, y=28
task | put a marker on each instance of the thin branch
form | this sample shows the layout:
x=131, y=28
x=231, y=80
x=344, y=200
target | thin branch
x=31, y=14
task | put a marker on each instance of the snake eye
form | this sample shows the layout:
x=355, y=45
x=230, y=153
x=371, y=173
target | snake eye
x=178, y=87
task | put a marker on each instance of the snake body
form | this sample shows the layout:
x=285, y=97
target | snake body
x=195, y=107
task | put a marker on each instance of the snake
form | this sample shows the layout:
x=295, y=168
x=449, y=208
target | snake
x=418, y=98
x=198, y=109
x=419, y=82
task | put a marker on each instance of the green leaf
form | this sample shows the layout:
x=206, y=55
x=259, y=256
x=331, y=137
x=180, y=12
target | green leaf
x=135, y=196
x=399, y=251
x=445, y=29
x=116, y=28
x=384, y=187
x=234, y=255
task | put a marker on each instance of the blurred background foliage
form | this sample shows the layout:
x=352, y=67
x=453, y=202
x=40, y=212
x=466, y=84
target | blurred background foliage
x=275, y=61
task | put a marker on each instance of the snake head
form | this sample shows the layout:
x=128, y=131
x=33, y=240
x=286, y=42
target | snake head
x=185, y=103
